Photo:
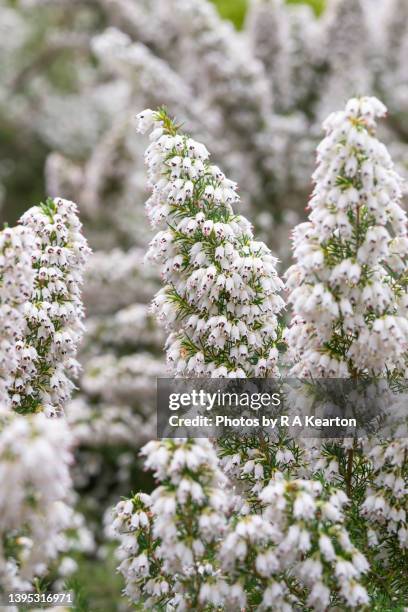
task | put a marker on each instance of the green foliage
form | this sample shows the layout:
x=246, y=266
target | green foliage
x=80, y=597
x=235, y=10
x=96, y=585
x=317, y=5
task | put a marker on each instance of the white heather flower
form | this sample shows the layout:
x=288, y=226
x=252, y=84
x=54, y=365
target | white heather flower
x=35, y=459
x=326, y=548
x=221, y=298
x=182, y=522
x=54, y=311
x=340, y=286
x=16, y=286
x=294, y=509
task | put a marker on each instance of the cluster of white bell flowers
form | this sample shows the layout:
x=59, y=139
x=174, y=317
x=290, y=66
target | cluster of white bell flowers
x=347, y=287
x=169, y=538
x=349, y=298
x=221, y=299
x=16, y=287
x=41, y=264
x=235, y=82
x=54, y=311
x=394, y=81
x=193, y=541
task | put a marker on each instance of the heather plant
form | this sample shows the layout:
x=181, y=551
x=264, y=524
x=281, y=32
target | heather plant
x=220, y=301
x=35, y=459
x=40, y=277
x=54, y=312
x=348, y=287
x=348, y=291
x=72, y=75
x=280, y=541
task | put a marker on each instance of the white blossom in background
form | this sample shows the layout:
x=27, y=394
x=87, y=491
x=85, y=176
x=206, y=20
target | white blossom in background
x=54, y=311
x=306, y=54
x=221, y=301
x=16, y=286
x=35, y=457
x=347, y=287
x=134, y=62
x=268, y=27
x=114, y=279
x=393, y=76
x=347, y=73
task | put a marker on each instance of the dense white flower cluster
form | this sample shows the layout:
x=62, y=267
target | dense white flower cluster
x=193, y=541
x=35, y=458
x=347, y=288
x=221, y=298
x=53, y=312
x=16, y=286
x=40, y=274
x=169, y=537
x=284, y=543
x=314, y=542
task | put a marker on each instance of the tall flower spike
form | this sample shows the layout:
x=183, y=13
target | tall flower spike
x=16, y=285
x=221, y=298
x=347, y=288
x=54, y=312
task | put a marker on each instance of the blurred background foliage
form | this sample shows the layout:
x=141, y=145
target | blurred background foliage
x=235, y=9
x=27, y=186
